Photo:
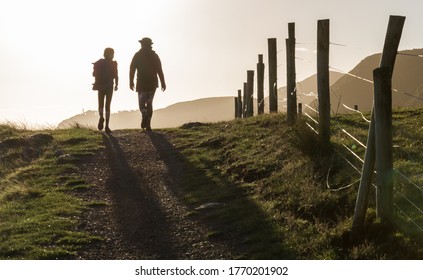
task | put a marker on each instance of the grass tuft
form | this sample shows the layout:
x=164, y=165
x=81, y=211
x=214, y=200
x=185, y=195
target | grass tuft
x=280, y=195
x=287, y=198
x=38, y=215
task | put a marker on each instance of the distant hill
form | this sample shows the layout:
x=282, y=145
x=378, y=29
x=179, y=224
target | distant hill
x=306, y=90
x=355, y=88
x=407, y=81
x=213, y=109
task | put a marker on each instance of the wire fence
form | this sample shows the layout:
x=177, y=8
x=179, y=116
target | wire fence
x=408, y=204
x=337, y=69
x=406, y=201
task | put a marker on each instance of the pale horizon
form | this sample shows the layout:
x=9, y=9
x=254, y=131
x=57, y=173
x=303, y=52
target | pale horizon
x=206, y=47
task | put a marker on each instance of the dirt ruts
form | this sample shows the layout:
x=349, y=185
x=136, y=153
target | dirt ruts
x=138, y=214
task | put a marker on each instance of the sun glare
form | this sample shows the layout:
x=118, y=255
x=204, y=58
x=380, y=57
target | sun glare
x=47, y=47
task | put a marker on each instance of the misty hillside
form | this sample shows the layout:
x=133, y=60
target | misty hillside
x=407, y=82
x=306, y=90
x=348, y=90
x=214, y=109
x=203, y=110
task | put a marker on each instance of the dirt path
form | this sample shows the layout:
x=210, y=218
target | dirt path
x=138, y=176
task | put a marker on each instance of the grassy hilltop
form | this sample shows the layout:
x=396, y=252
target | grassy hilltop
x=282, y=198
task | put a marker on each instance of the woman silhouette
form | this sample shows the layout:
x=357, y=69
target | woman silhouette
x=106, y=75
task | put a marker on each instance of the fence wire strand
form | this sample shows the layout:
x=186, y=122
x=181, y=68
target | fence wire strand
x=359, y=172
x=301, y=94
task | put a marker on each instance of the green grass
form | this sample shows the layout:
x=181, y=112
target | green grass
x=285, y=199
x=280, y=196
x=38, y=213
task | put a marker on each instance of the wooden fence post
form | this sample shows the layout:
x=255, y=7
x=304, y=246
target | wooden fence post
x=365, y=183
x=291, y=91
x=244, y=105
x=392, y=40
x=239, y=108
x=250, y=93
x=273, y=94
x=236, y=107
x=383, y=141
x=323, y=81
x=390, y=49
x=260, y=85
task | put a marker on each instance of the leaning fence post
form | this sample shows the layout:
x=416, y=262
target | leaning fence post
x=365, y=183
x=291, y=91
x=390, y=49
x=323, y=81
x=383, y=141
x=273, y=93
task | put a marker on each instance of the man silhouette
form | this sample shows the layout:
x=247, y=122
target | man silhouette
x=148, y=66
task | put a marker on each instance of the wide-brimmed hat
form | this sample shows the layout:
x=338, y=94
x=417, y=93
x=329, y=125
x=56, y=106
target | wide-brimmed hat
x=146, y=41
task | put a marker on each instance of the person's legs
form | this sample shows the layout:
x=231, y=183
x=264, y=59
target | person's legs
x=109, y=96
x=101, y=95
x=143, y=108
x=149, y=105
x=145, y=102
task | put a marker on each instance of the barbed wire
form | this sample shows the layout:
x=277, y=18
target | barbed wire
x=409, y=54
x=409, y=180
x=341, y=188
x=365, y=79
x=409, y=218
x=350, y=74
x=416, y=97
x=357, y=76
x=341, y=155
x=337, y=44
x=370, y=81
x=311, y=108
x=343, y=130
x=409, y=201
x=354, y=138
x=357, y=169
x=357, y=111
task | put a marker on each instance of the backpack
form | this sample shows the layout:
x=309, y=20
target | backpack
x=104, y=71
x=101, y=73
x=97, y=73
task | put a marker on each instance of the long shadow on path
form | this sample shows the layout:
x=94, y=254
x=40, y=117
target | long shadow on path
x=140, y=217
x=240, y=223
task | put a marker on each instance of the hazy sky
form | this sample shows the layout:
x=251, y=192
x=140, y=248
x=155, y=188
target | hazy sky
x=206, y=46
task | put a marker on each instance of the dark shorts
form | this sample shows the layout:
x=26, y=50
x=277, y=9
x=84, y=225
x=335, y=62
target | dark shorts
x=105, y=92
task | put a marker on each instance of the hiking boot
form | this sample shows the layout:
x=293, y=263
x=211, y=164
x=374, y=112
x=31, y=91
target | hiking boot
x=100, y=123
x=108, y=129
x=148, y=124
x=143, y=123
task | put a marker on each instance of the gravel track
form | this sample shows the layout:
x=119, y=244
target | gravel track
x=139, y=215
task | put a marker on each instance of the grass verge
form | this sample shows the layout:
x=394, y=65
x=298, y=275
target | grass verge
x=284, y=198
x=38, y=213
